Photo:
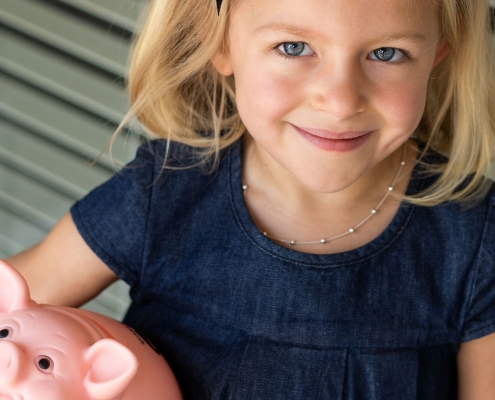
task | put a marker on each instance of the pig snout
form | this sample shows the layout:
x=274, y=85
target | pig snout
x=11, y=358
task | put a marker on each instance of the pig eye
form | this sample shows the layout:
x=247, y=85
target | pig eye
x=5, y=333
x=44, y=363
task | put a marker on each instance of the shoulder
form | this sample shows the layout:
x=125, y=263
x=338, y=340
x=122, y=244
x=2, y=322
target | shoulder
x=434, y=176
x=149, y=201
x=169, y=157
x=426, y=175
x=454, y=226
x=181, y=165
x=181, y=184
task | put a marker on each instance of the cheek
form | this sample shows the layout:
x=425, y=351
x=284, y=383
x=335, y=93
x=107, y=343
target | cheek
x=266, y=97
x=403, y=105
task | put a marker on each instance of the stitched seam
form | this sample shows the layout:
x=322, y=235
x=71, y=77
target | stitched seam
x=246, y=348
x=346, y=373
x=468, y=304
x=147, y=223
x=475, y=331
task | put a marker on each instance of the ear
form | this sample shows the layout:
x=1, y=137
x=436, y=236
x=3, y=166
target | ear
x=14, y=291
x=112, y=367
x=443, y=49
x=222, y=63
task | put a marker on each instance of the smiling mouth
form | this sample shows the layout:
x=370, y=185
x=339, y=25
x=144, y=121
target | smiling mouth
x=334, y=141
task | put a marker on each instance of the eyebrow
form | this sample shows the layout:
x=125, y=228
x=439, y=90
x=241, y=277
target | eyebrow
x=311, y=34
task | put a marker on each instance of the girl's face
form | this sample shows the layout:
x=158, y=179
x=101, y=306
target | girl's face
x=330, y=88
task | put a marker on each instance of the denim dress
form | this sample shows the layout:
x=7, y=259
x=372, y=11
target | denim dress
x=240, y=317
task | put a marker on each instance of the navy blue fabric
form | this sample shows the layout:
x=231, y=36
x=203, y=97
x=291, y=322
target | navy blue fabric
x=239, y=317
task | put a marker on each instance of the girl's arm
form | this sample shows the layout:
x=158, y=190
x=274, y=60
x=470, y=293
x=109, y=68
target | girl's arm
x=62, y=269
x=476, y=366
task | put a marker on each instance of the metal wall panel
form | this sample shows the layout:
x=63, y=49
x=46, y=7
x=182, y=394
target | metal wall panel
x=62, y=94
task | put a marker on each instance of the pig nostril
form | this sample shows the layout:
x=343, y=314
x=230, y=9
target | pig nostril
x=4, y=333
x=5, y=358
x=11, y=359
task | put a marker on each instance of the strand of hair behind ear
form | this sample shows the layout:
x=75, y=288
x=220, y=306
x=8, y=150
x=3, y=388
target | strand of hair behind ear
x=459, y=118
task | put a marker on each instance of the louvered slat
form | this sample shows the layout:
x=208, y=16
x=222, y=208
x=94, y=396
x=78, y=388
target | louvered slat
x=62, y=64
x=64, y=31
x=116, y=13
x=46, y=163
x=71, y=82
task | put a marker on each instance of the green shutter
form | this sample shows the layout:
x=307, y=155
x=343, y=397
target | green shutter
x=62, y=68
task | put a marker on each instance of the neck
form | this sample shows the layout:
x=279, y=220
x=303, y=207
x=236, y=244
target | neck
x=284, y=208
x=262, y=173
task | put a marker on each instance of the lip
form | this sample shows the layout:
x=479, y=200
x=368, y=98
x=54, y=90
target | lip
x=334, y=141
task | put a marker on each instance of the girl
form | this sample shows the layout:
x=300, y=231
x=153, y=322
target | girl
x=315, y=222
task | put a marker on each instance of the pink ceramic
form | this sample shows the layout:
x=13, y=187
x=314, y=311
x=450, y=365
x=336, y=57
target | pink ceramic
x=58, y=353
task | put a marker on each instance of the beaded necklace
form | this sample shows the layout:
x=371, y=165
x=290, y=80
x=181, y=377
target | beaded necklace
x=374, y=211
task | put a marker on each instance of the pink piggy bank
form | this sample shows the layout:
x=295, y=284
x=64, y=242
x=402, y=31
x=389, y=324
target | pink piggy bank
x=58, y=353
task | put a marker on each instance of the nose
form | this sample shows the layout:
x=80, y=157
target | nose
x=339, y=90
x=11, y=358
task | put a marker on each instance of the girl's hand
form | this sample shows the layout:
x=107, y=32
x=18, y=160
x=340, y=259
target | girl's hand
x=476, y=366
x=62, y=270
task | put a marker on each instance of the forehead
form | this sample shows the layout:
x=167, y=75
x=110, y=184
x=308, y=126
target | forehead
x=335, y=18
x=44, y=325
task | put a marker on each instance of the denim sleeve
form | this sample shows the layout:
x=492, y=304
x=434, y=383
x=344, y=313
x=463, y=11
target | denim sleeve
x=112, y=219
x=480, y=316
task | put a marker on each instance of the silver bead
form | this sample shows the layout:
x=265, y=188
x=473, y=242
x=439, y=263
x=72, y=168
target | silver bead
x=390, y=188
x=323, y=241
x=264, y=233
x=244, y=187
x=373, y=211
x=403, y=163
x=292, y=242
x=351, y=230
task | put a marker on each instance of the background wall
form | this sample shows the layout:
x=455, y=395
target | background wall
x=62, y=64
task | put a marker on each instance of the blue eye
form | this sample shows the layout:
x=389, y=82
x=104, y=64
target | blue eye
x=294, y=49
x=387, y=54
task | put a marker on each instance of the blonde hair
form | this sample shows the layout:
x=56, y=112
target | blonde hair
x=178, y=95
x=175, y=91
x=459, y=117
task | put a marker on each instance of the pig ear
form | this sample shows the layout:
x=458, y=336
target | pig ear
x=14, y=291
x=111, y=368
